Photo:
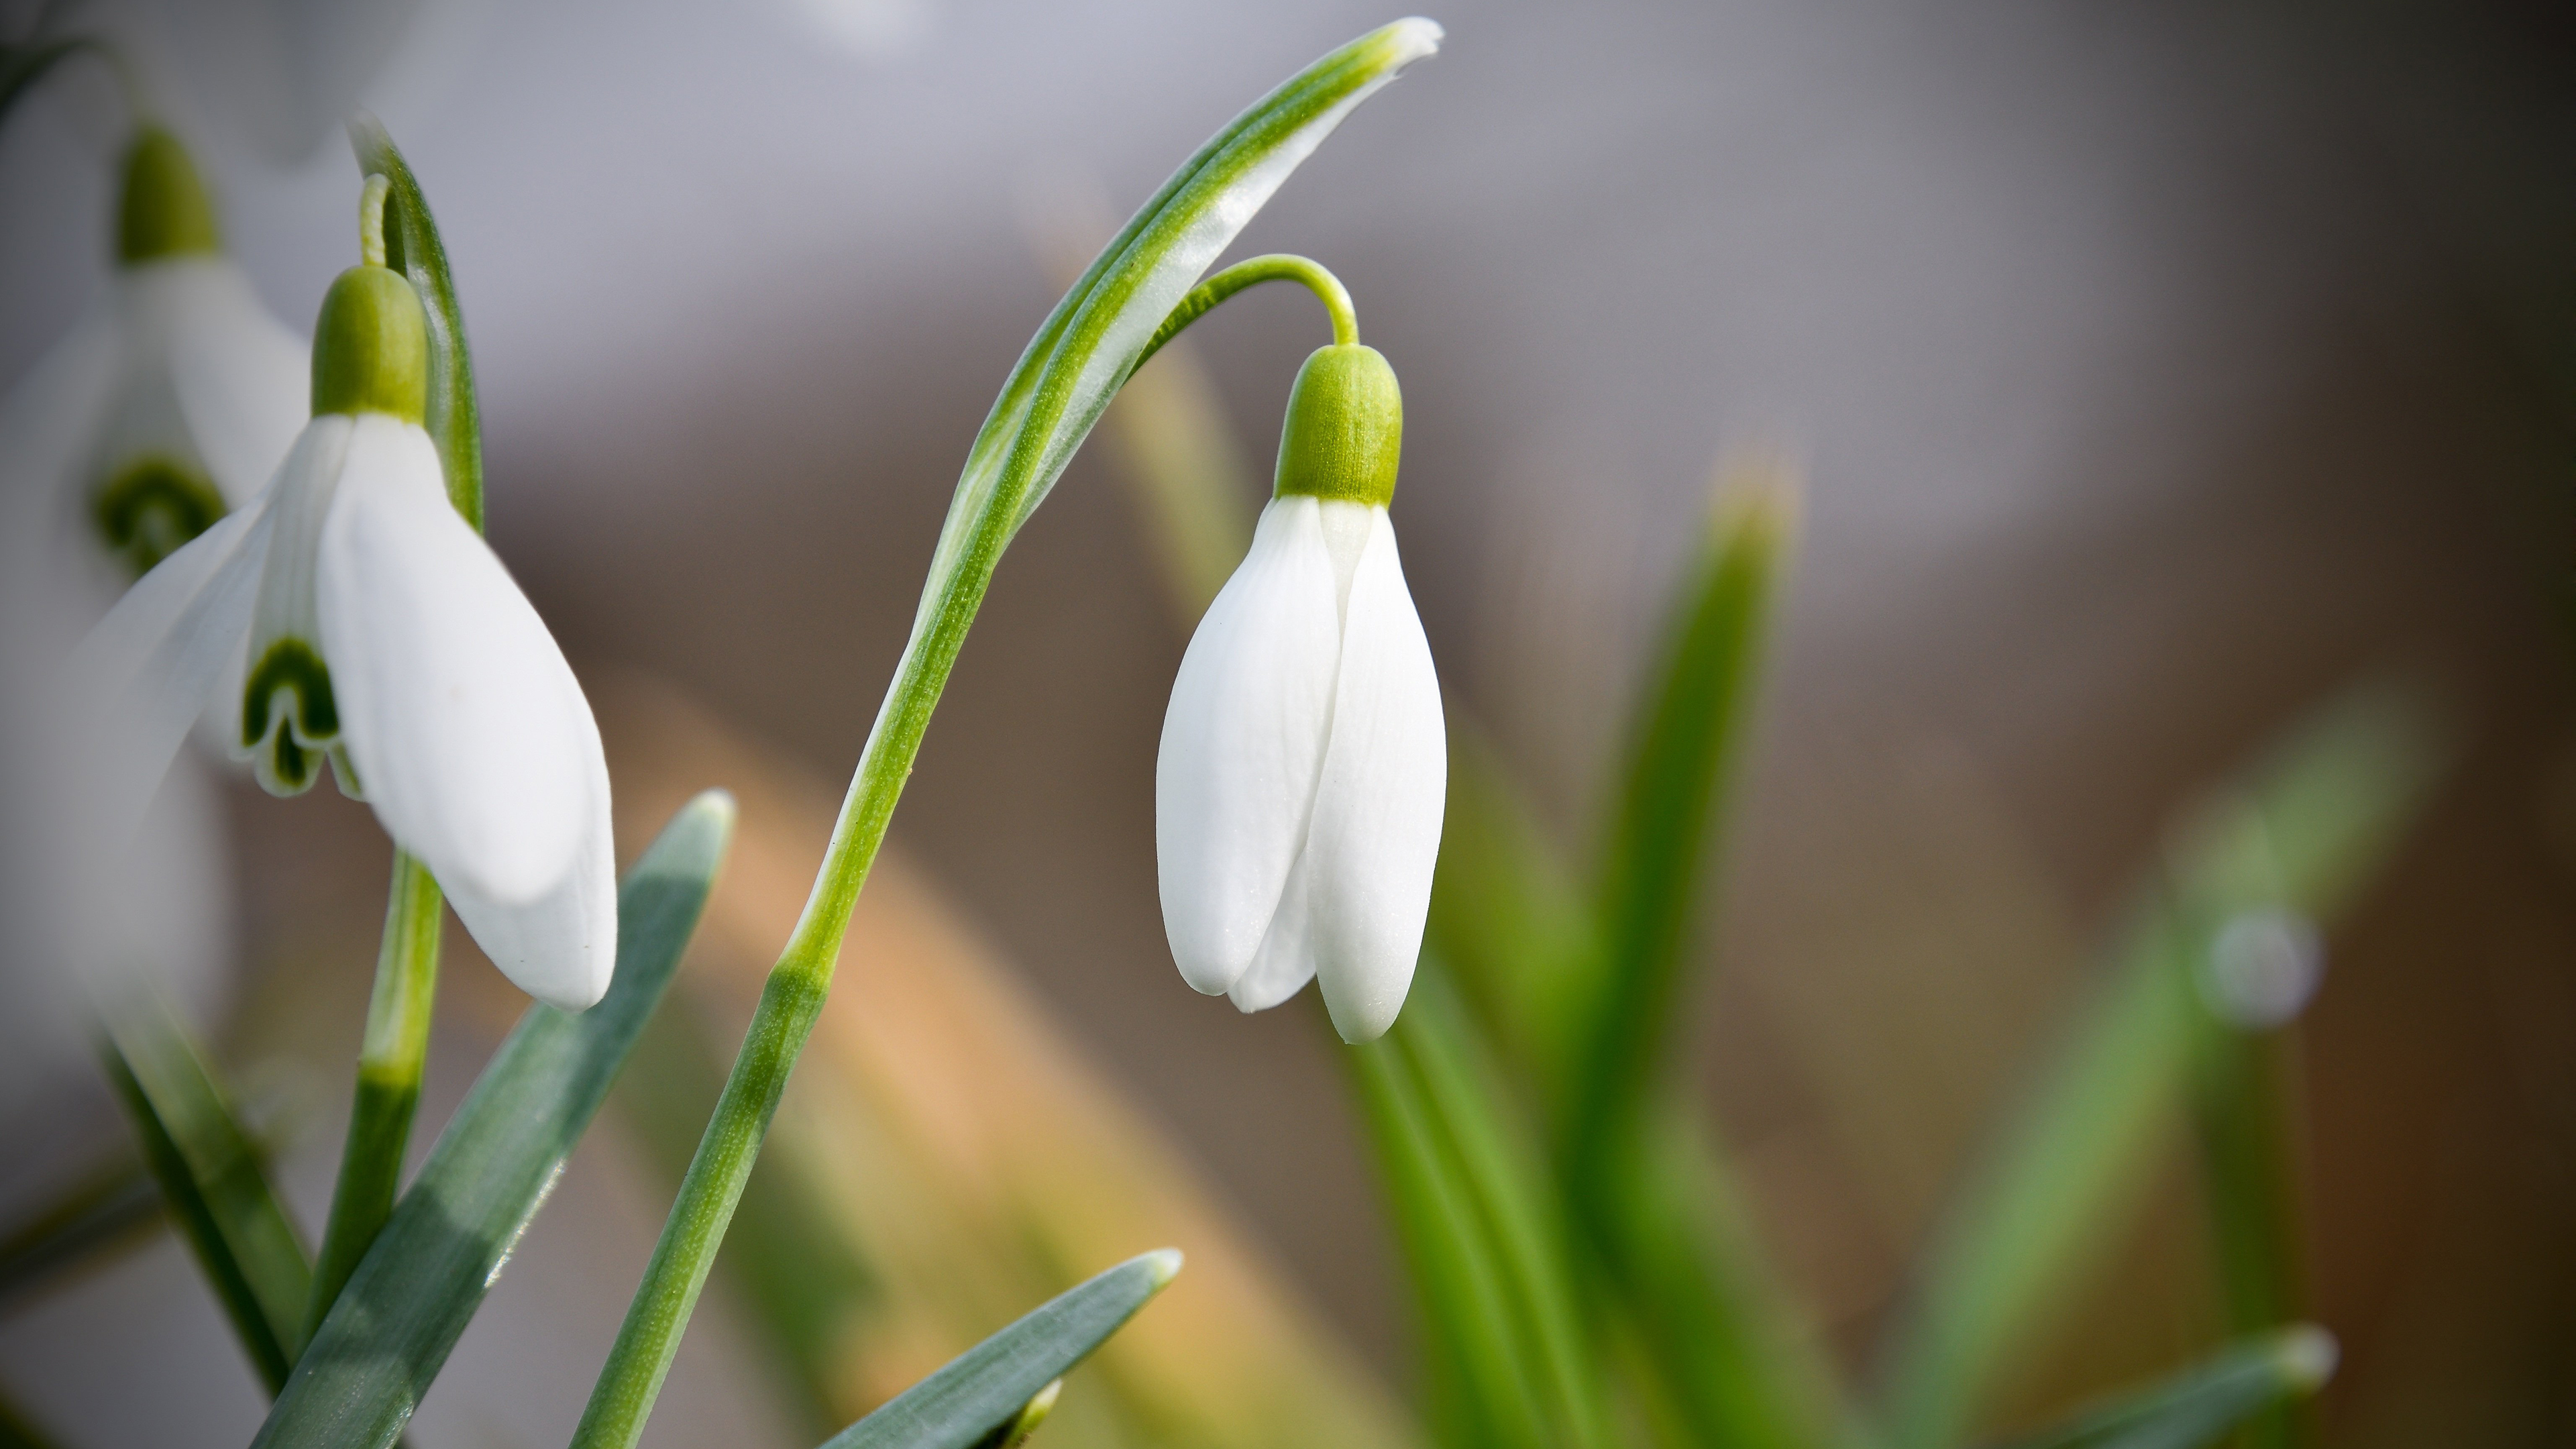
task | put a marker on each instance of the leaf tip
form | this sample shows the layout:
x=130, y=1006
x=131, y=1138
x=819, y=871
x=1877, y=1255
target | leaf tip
x=2307, y=1355
x=1162, y=1265
x=716, y=808
x=1411, y=39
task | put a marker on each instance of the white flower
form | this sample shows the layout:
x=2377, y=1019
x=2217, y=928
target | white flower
x=168, y=404
x=376, y=629
x=1304, y=766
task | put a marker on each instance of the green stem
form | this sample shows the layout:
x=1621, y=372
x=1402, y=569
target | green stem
x=1081, y=354
x=1251, y=272
x=389, y=1067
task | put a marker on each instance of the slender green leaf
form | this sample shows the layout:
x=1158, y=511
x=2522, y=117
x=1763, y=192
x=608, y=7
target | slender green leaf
x=210, y=1174
x=986, y=1393
x=453, y=1231
x=1077, y=361
x=412, y=247
x=796, y=1262
x=1510, y=1359
x=1506, y=916
x=390, y=1059
x=113, y=1206
x=1692, y=730
x=2195, y=1407
x=1656, y=1207
x=1722, y=1349
x=2297, y=837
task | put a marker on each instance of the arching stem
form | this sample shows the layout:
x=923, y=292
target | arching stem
x=1251, y=272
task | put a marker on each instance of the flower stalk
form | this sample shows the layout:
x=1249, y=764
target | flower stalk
x=1064, y=380
x=389, y=1068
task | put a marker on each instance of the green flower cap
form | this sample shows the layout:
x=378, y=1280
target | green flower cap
x=164, y=211
x=1345, y=428
x=371, y=347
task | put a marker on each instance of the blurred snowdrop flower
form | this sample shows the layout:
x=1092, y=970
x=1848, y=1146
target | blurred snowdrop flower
x=171, y=401
x=1304, y=765
x=377, y=630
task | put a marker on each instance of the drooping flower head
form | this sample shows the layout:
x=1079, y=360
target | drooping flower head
x=372, y=627
x=1304, y=765
x=171, y=401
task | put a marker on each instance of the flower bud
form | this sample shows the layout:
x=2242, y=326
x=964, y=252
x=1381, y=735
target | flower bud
x=1345, y=428
x=164, y=210
x=371, y=347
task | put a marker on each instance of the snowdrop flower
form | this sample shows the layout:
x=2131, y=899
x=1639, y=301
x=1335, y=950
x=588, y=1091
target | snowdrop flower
x=1304, y=767
x=375, y=629
x=170, y=402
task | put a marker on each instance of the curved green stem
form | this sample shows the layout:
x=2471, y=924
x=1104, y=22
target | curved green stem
x=1251, y=272
x=389, y=1066
x=1087, y=347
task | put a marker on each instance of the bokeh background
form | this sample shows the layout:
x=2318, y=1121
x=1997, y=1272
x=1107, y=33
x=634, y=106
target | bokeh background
x=2154, y=370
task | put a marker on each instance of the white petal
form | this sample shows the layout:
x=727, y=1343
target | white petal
x=470, y=737
x=1286, y=960
x=1376, y=830
x=48, y=426
x=1242, y=743
x=244, y=382
x=562, y=947
x=141, y=676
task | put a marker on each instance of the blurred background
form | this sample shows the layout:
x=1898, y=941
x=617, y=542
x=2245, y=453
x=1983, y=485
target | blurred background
x=2153, y=370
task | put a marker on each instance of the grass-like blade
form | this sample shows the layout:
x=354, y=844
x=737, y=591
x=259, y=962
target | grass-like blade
x=114, y=1205
x=412, y=247
x=795, y=1262
x=1506, y=916
x=1656, y=1206
x=210, y=1173
x=1720, y=1348
x=453, y=1231
x=2300, y=833
x=1063, y=381
x=1691, y=732
x=1509, y=1356
x=983, y=1394
x=2198, y=1405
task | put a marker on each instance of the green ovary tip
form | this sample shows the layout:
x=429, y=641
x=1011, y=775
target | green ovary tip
x=164, y=210
x=1345, y=430
x=371, y=347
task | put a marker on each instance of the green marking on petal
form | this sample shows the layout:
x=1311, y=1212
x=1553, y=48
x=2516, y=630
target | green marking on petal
x=289, y=717
x=152, y=506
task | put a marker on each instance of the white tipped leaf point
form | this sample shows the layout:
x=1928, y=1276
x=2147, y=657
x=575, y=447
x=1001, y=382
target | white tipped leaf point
x=1303, y=772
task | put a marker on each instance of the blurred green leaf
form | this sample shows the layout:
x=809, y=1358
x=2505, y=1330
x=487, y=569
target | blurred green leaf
x=1506, y=916
x=490, y=1171
x=2298, y=836
x=113, y=1206
x=2198, y=1405
x=1690, y=733
x=412, y=247
x=1731, y=1363
x=983, y=1394
x=210, y=1175
x=1491, y=1256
